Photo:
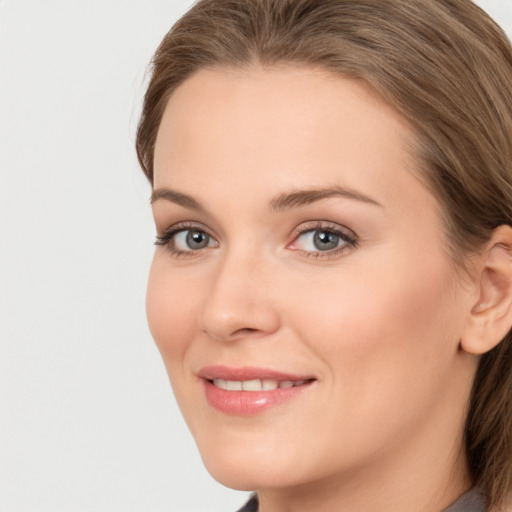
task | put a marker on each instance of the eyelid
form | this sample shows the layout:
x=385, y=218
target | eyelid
x=168, y=234
x=347, y=235
x=184, y=225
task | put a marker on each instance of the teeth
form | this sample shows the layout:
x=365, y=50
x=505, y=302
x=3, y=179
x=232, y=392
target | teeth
x=251, y=385
x=220, y=383
x=269, y=385
x=255, y=384
x=234, y=385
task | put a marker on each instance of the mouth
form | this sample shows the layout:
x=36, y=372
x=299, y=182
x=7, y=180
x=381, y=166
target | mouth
x=255, y=385
x=248, y=391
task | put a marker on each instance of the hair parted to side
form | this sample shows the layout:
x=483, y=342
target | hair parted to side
x=447, y=68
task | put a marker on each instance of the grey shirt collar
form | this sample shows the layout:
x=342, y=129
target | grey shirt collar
x=471, y=501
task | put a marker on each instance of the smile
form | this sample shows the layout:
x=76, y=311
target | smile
x=249, y=391
x=255, y=384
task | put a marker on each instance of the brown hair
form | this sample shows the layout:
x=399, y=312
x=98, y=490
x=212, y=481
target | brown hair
x=447, y=68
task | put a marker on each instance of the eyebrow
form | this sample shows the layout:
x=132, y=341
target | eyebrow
x=280, y=202
x=177, y=198
x=303, y=197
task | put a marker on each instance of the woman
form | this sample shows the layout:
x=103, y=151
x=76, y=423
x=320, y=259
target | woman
x=331, y=290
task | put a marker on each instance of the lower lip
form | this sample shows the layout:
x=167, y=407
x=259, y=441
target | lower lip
x=248, y=403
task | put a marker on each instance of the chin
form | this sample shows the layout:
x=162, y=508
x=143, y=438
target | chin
x=245, y=461
x=255, y=461
x=249, y=475
x=239, y=479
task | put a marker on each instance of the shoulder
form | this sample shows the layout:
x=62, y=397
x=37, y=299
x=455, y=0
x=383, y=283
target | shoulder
x=251, y=505
x=506, y=507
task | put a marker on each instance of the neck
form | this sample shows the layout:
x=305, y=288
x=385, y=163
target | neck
x=426, y=473
x=386, y=490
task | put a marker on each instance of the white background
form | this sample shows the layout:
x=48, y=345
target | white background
x=87, y=419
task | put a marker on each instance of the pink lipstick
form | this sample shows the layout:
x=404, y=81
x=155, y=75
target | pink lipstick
x=247, y=391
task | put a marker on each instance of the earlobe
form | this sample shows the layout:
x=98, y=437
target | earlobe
x=491, y=316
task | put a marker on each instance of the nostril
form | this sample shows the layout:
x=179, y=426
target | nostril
x=245, y=331
x=225, y=316
x=238, y=333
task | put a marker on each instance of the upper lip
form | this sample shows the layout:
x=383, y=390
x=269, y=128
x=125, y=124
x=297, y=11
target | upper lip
x=248, y=373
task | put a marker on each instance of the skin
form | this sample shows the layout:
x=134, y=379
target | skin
x=379, y=324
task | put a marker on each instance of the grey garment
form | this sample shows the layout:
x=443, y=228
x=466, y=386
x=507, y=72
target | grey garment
x=471, y=501
x=251, y=505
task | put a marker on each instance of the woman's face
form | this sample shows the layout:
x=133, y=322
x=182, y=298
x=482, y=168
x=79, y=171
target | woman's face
x=298, y=249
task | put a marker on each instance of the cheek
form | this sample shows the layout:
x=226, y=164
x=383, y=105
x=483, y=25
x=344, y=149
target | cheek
x=171, y=312
x=380, y=329
x=387, y=346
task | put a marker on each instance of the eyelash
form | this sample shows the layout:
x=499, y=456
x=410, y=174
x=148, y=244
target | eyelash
x=349, y=238
x=167, y=238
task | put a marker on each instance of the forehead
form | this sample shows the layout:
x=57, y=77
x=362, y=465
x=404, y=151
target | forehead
x=259, y=104
x=256, y=128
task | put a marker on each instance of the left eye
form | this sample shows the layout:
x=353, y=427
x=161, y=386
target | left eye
x=321, y=240
x=182, y=241
x=191, y=240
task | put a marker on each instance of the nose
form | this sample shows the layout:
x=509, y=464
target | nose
x=239, y=302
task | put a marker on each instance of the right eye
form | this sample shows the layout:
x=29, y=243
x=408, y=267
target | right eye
x=193, y=240
x=181, y=241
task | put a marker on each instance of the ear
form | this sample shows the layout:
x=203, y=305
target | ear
x=490, y=319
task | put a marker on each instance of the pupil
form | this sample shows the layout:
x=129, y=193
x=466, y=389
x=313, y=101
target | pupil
x=324, y=240
x=197, y=239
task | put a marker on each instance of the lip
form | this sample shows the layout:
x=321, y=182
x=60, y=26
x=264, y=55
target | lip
x=249, y=403
x=247, y=373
